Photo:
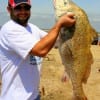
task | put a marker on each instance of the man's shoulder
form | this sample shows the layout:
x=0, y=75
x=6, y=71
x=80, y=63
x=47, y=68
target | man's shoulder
x=32, y=25
x=8, y=24
x=11, y=26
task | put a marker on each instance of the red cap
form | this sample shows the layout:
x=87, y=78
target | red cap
x=15, y=3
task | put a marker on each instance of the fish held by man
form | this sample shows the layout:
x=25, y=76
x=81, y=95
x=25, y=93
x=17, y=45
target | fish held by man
x=74, y=46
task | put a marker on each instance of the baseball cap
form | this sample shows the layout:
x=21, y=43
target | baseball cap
x=15, y=3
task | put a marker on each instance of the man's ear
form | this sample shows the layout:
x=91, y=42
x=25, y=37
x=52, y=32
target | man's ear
x=8, y=9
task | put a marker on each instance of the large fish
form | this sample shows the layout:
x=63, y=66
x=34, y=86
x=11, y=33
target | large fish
x=74, y=46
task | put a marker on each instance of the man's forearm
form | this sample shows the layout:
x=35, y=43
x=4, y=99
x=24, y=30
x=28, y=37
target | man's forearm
x=46, y=43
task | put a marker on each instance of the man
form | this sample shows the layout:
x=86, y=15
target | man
x=22, y=45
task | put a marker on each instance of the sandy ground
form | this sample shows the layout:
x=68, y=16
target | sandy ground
x=52, y=88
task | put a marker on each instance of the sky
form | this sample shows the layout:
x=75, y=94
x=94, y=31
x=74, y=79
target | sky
x=43, y=12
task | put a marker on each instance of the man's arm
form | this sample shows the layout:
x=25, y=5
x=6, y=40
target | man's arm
x=46, y=43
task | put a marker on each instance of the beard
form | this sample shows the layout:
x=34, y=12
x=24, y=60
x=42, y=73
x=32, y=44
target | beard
x=20, y=19
x=22, y=22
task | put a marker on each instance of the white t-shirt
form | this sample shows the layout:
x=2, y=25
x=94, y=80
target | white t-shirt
x=20, y=70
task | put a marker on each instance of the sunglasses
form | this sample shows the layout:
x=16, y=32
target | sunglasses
x=26, y=8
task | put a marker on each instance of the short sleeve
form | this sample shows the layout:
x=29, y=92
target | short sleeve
x=19, y=41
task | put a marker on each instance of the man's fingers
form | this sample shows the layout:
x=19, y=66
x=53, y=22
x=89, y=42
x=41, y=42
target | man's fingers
x=71, y=15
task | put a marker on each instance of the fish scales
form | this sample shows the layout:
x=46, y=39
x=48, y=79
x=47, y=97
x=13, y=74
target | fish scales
x=74, y=46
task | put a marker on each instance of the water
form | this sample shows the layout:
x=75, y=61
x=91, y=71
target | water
x=48, y=21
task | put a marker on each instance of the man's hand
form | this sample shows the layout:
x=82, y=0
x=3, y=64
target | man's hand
x=67, y=20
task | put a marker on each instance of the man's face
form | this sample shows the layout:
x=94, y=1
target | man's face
x=20, y=14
